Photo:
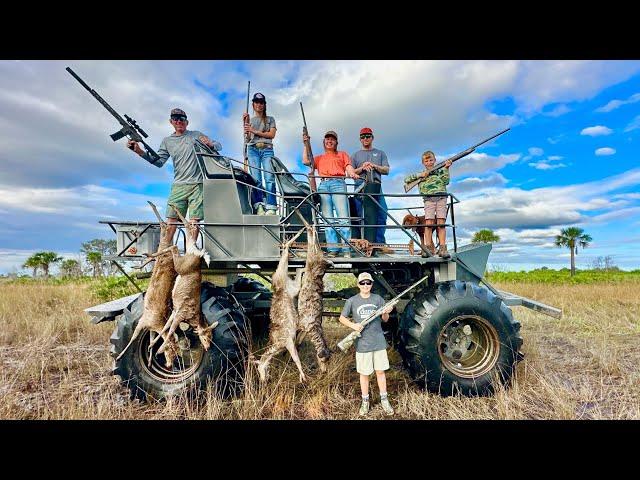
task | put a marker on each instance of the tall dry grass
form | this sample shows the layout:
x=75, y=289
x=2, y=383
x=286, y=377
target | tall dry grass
x=54, y=364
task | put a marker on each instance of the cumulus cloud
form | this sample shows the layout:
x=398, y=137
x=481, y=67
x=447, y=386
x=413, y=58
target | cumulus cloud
x=56, y=144
x=596, y=131
x=605, y=151
x=613, y=104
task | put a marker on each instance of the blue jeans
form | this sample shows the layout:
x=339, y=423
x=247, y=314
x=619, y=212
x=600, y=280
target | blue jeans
x=260, y=158
x=338, y=203
x=381, y=218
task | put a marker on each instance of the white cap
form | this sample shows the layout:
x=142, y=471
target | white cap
x=364, y=276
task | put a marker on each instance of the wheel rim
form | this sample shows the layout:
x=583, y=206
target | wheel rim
x=189, y=358
x=468, y=346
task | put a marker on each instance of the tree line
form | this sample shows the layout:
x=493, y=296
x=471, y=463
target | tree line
x=93, y=251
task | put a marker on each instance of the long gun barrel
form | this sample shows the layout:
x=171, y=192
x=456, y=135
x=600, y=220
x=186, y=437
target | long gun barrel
x=347, y=341
x=305, y=131
x=458, y=156
x=129, y=128
x=246, y=135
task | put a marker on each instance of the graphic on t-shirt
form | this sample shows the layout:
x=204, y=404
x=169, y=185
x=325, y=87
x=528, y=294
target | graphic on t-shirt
x=365, y=310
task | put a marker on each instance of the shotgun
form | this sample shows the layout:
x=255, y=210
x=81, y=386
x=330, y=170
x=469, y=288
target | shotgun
x=347, y=341
x=439, y=165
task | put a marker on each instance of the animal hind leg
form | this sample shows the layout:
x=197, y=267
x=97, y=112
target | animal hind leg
x=291, y=348
x=265, y=359
x=323, y=353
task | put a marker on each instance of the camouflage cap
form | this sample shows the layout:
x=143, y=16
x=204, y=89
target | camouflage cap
x=178, y=111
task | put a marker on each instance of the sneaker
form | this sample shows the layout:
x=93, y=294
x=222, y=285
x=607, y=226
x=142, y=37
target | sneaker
x=346, y=254
x=386, y=406
x=260, y=210
x=442, y=252
x=332, y=254
x=364, y=408
x=271, y=211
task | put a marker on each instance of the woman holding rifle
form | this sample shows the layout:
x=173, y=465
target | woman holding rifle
x=261, y=130
x=332, y=167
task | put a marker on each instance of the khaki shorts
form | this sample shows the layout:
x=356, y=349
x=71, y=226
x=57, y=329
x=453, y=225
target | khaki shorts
x=435, y=207
x=367, y=362
x=183, y=195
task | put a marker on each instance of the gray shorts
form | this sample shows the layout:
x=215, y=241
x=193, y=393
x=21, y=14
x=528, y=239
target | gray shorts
x=367, y=362
x=435, y=207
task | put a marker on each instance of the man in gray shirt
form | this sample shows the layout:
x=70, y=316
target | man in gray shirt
x=371, y=347
x=366, y=160
x=186, y=189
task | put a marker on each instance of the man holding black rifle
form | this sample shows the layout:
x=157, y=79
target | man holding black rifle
x=186, y=189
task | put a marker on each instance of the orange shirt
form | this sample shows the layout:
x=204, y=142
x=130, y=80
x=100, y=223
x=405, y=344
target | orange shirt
x=331, y=164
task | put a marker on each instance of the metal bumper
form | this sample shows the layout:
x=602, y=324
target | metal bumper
x=513, y=300
x=110, y=310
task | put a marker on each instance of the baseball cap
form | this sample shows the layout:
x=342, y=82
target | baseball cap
x=258, y=97
x=366, y=130
x=178, y=111
x=331, y=133
x=364, y=276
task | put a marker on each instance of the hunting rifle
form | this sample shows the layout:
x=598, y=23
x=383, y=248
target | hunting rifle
x=129, y=126
x=347, y=341
x=439, y=165
x=307, y=145
x=246, y=135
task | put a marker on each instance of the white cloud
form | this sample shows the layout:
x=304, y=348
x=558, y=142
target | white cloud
x=613, y=104
x=596, y=131
x=544, y=165
x=478, y=183
x=605, y=151
x=535, y=151
x=633, y=125
x=554, y=157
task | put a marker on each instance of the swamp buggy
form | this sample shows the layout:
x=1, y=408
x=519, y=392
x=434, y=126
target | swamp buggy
x=455, y=332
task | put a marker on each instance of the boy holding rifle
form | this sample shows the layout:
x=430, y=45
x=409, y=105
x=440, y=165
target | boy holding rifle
x=433, y=185
x=371, y=346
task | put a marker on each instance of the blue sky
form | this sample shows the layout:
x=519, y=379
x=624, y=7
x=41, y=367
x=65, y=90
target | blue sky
x=570, y=158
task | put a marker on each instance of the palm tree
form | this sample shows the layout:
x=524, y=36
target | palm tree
x=46, y=259
x=572, y=237
x=70, y=268
x=95, y=259
x=32, y=262
x=485, y=235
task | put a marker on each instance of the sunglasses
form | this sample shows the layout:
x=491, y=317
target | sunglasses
x=365, y=282
x=178, y=118
x=366, y=135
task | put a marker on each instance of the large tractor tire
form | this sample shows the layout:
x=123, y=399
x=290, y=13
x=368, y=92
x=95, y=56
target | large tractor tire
x=458, y=337
x=224, y=363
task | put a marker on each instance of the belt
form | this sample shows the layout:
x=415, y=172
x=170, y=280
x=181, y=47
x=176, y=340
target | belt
x=262, y=145
x=330, y=178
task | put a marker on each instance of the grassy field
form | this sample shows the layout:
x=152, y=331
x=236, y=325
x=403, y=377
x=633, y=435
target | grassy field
x=55, y=363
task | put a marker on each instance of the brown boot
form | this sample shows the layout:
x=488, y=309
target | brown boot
x=443, y=252
x=431, y=250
